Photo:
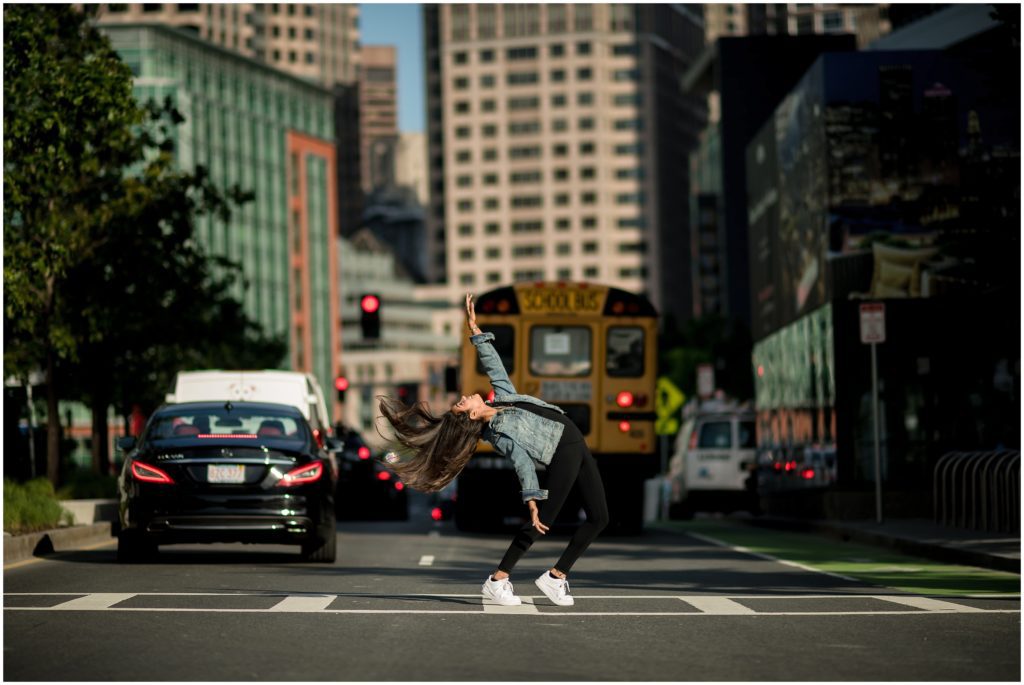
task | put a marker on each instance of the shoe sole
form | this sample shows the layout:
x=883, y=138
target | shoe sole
x=503, y=602
x=554, y=601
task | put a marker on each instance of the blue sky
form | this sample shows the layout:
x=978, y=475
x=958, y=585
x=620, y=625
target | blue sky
x=399, y=25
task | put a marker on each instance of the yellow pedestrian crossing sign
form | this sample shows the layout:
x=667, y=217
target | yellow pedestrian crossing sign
x=668, y=399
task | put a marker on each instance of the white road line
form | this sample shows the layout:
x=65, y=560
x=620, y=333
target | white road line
x=527, y=607
x=95, y=601
x=717, y=605
x=929, y=604
x=427, y=560
x=769, y=557
x=299, y=603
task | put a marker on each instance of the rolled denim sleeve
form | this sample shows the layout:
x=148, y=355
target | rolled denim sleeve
x=524, y=467
x=491, y=362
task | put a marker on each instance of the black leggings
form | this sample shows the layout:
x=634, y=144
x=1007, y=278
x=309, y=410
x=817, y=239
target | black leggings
x=572, y=463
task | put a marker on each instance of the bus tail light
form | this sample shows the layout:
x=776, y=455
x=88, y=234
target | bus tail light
x=624, y=399
x=624, y=426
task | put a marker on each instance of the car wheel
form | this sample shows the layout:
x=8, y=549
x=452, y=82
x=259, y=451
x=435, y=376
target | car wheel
x=321, y=551
x=132, y=547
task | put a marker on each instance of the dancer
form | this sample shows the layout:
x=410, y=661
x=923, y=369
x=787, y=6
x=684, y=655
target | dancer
x=526, y=430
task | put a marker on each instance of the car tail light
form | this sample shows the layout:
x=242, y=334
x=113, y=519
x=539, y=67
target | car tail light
x=150, y=474
x=807, y=474
x=384, y=475
x=436, y=514
x=399, y=485
x=624, y=399
x=310, y=473
x=624, y=426
x=364, y=452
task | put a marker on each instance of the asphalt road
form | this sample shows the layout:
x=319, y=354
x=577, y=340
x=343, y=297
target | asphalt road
x=402, y=603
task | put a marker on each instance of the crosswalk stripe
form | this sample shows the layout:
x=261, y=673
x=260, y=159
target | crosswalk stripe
x=427, y=560
x=717, y=605
x=94, y=601
x=301, y=603
x=527, y=607
x=928, y=604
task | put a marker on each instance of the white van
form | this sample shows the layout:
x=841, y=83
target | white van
x=713, y=467
x=300, y=390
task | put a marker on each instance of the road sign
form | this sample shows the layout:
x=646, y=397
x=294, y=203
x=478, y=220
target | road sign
x=668, y=400
x=705, y=380
x=872, y=322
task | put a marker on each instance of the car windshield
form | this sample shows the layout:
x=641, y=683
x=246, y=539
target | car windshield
x=239, y=423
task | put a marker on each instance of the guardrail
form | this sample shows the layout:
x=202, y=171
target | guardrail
x=979, y=490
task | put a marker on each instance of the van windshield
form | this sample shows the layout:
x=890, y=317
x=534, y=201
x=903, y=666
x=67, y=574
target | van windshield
x=192, y=424
x=716, y=434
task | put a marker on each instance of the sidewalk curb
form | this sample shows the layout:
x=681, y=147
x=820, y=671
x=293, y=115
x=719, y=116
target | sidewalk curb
x=947, y=554
x=41, y=543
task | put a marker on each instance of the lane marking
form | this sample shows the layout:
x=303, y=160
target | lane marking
x=302, y=604
x=527, y=607
x=929, y=604
x=794, y=564
x=427, y=560
x=717, y=605
x=95, y=601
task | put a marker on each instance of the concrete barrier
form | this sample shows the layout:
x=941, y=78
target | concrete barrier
x=20, y=547
x=87, y=511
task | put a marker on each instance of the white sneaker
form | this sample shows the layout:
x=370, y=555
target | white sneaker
x=500, y=592
x=556, y=589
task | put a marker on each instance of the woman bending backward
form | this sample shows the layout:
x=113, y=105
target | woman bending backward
x=523, y=428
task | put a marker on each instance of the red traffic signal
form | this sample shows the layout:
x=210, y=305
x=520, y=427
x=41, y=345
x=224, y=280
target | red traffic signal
x=341, y=384
x=369, y=303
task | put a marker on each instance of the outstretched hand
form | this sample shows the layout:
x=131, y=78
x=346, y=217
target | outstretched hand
x=535, y=518
x=471, y=314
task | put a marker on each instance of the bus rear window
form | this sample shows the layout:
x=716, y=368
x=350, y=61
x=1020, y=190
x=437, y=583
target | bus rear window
x=560, y=351
x=504, y=344
x=625, y=355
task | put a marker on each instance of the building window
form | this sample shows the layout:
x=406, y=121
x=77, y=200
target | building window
x=589, y=222
x=462, y=107
x=588, y=173
x=632, y=222
x=490, y=179
x=465, y=229
x=521, y=78
x=586, y=123
x=486, y=24
x=633, y=172
x=583, y=48
x=461, y=83
x=556, y=50
x=308, y=33
x=587, y=148
x=491, y=203
x=588, y=198
x=523, y=103
x=805, y=24
x=558, y=101
x=488, y=106
x=523, y=128
x=514, y=54
x=584, y=17
x=524, y=152
x=833, y=21
x=563, y=224
x=463, y=156
x=633, y=248
x=486, y=56
x=564, y=274
x=519, y=177
x=559, y=125
x=492, y=228
x=490, y=154
x=557, y=75
x=629, y=125
x=463, y=132
x=584, y=99
x=460, y=22
x=310, y=58
x=629, y=199
x=466, y=254
x=464, y=181
x=556, y=18
x=528, y=275
x=467, y=279
x=527, y=201
x=493, y=277
x=629, y=149
x=150, y=8
x=589, y=248
x=493, y=253
x=533, y=226
x=489, y=130
x=563, y=249
x=635, y=272
x=626, y=75
x=487, y=81
x=561, y=174
x=465, y=206
x=520, y=251
x=591, y=272
x=626, y=50
x=460, y=57
x=626, y=99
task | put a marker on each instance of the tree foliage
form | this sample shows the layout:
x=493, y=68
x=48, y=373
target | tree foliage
x=106, y=287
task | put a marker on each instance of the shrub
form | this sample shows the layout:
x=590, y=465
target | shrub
x=31, y=506
x=85, y=484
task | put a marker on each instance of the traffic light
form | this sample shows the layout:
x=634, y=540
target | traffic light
x=341, y=385
x=369, y=316
x=408, y=392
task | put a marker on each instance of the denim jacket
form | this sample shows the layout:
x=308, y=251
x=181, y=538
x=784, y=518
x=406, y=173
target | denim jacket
x=520, y=435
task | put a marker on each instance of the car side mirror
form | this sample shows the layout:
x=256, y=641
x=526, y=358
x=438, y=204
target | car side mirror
x=126, y=443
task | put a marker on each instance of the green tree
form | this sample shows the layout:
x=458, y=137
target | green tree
x=106, y=288
x=710, y=339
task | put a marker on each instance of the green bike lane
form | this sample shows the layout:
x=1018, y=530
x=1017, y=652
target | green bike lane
x=865, y=563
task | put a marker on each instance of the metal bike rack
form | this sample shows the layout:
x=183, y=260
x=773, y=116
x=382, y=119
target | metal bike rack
x=979, y=490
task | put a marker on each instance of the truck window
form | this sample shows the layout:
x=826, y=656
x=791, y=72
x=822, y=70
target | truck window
x=748, y=435
x=716, y=434
x=625, y=355
x=560, y=351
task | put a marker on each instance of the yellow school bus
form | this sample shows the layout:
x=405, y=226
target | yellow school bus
x=590, y=349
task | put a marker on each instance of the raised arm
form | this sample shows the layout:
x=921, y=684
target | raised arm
x=489, y=358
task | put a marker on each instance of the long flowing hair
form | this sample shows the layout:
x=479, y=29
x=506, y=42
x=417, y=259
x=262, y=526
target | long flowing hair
x=436, y=448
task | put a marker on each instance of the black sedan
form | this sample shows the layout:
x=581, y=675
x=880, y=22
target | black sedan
x=227, y=472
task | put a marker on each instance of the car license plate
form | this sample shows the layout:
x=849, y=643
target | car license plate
x=230, y=473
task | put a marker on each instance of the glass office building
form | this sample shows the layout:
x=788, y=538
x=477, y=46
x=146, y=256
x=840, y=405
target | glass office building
x=272, y=134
